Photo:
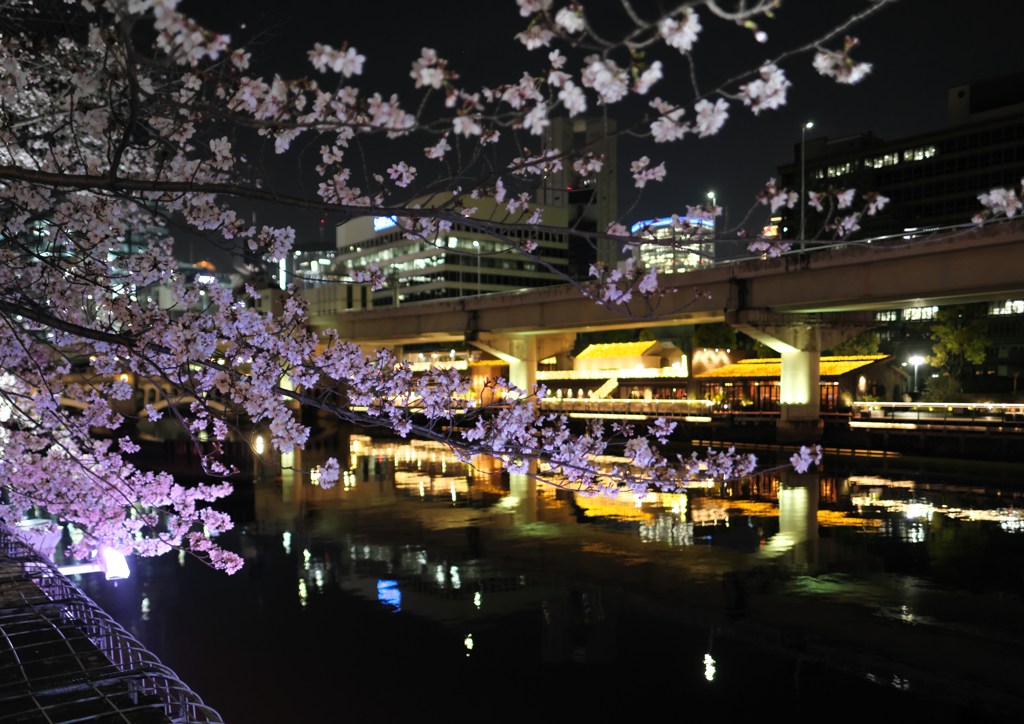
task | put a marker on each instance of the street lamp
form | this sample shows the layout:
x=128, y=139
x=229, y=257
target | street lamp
x=477, y=245
x=714, y=221
x=917, y=360
x=803, y=190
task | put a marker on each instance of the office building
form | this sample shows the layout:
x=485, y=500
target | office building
x=932, y=179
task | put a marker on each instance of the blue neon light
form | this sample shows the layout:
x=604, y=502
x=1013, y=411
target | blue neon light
x=384, y=222
x=389, y=595
x=658, y=223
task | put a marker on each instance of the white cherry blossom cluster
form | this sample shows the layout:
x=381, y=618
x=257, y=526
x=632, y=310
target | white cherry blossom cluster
x=643, y=172
x=769, y=91
x=839, y=65
x=1000, y=202
x=104, y=138
x=775, y=198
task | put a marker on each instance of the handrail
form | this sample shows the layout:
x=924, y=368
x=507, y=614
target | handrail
x=115, y=678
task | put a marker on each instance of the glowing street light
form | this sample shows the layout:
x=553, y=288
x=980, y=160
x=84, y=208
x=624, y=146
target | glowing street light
x=108, y=561
x=803, y=165
x=478, y=287
x=917, y=360
x=714, y=221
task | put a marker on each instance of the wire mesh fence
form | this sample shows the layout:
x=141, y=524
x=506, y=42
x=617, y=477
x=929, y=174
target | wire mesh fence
x=63, y=659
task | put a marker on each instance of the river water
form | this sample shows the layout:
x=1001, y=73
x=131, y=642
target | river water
x=422, y=586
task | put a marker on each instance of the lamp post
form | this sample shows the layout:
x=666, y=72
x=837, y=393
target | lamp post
x=803, y=189
x=917, y=360
x=477, y=245
x=714, y=221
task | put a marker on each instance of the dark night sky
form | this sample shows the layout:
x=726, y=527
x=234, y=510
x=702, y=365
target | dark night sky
x=919, y=49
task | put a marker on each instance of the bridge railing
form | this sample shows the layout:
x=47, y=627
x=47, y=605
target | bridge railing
x=692, y=410
x=939, y=413
x=46, y=621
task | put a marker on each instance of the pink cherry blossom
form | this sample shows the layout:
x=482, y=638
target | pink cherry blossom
x=570, y=19
x=78, y=178
x=648, y=78
x=840, y=66
x=573, y=99
x=681, y=35
x=767, y=92
x=604, y=76
x=805, y=457
x=402, y=174
x=710, y=118
x=438, y=149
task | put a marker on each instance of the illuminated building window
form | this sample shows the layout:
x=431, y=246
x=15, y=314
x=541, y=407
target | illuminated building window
x=1010, y=306
x=890, y=315
x=919, y=314
x=889, y=159
x=840, y=170
x=919, y=154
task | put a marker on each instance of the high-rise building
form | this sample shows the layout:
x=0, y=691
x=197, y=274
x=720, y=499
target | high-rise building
x=932, y=179
x=591, y=201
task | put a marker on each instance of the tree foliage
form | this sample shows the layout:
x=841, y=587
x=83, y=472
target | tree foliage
x=961, y=339
x=716, y=336
x=864, y=343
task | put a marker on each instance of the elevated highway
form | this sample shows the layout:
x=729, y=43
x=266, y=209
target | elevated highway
x=985, y=264
x=798, y=305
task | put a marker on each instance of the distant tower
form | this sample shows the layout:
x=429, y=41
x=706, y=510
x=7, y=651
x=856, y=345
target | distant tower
x=592, y=200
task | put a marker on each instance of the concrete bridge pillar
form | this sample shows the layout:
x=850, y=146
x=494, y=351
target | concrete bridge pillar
x=522, y=352
x=799, y=339
x=800, y=396
x=522, y=370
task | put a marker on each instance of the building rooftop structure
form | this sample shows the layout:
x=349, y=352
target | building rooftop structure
x=676, y=250
x=772, y=366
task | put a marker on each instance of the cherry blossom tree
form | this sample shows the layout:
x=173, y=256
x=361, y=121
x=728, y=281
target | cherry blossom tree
x=117, y=115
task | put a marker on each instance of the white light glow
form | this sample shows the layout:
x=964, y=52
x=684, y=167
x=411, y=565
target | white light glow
x=380, y=223
x=709, y=667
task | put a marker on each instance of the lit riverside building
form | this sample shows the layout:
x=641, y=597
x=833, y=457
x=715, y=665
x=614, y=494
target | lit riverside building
x=462, y=262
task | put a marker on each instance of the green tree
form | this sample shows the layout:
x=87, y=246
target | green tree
x=716, y=336
x=961, y=339
x=864, y=343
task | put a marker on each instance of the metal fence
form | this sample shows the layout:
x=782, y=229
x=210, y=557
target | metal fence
x=63, y=659
x=947, y=414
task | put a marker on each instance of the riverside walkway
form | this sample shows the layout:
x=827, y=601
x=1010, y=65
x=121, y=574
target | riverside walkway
x=63, y=659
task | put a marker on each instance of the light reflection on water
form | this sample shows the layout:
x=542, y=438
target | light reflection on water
x=422, y=539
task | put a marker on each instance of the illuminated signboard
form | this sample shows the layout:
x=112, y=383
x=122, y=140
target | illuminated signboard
x=384, y=222
x=658, y=223
x=389, y=595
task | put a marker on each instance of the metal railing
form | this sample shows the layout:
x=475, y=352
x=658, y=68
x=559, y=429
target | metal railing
x=634, y=408
x=948, y=414
x=64, y=659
